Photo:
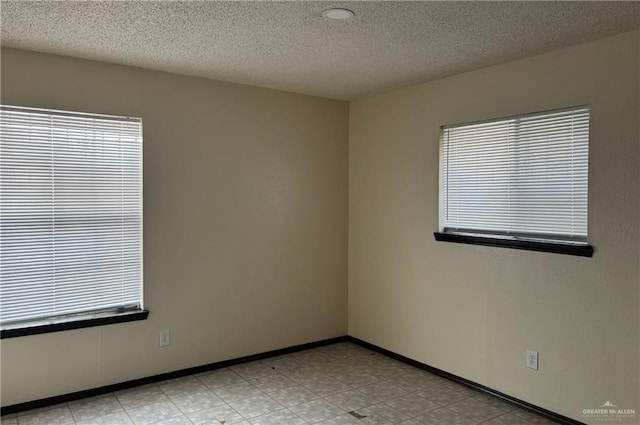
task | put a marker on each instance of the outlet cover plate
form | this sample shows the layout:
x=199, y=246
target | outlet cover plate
x=165, y=338
x=532, y=359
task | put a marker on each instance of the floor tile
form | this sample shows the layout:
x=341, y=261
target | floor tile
x=54, y=415
x=93, y=407
x=441, y=395
x=507, y=419
x=344, y=419
x=292, y=396
x=220, y=378
x=384, y=411
x=253, y=370
x=384, y=372
x=177, y=420
x=411, y=422
x=195, y=402
x=493, y=401
x=9, y=419
x=120, y=418
x=444, y=416
x=456, y=387
x=237, y=392
x=216, y=415
x=479, y=410
x=153, y=413
x=306, y=374
x=531, y=418
x=414, y=381
x=283, y=363
x=355, y=378
x=463, y=389
x=272, y=382
x=375, y=420
x=182, y=386
x=311, y=356
x=382, y=391
x=333, y=366
x=411, y=404
x=256, y=406
x=317, y=410
x=141, y=396
x=280, y=417
x=351, y=400
x=326, y=387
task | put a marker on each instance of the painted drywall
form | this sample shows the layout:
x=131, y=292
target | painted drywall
x=473, y=311
x=245, y=223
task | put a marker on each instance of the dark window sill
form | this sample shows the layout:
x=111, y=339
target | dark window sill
x=79, y=322
x=543, y=246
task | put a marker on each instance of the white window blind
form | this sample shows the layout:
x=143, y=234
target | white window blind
x=523, y=176
x=70, y=214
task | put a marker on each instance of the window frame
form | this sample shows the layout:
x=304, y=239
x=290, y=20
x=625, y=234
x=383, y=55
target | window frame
x=500, y=239
x=96, y=317
x=73, y=322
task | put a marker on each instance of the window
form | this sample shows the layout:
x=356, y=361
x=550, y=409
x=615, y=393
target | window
x=519, y=182
x=70, y=220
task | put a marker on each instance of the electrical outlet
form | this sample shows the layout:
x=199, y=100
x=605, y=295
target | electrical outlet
x=532, y=359
x=165, y=338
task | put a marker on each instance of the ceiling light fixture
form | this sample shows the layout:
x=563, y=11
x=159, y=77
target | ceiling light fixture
x=338, y=14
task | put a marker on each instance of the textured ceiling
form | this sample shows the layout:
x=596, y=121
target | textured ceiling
x=289, y=46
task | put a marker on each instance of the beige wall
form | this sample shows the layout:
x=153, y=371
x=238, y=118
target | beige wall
x=245, y=219
x=473, y=311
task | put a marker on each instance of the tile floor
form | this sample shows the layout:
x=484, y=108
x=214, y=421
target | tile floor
x=332, y=385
